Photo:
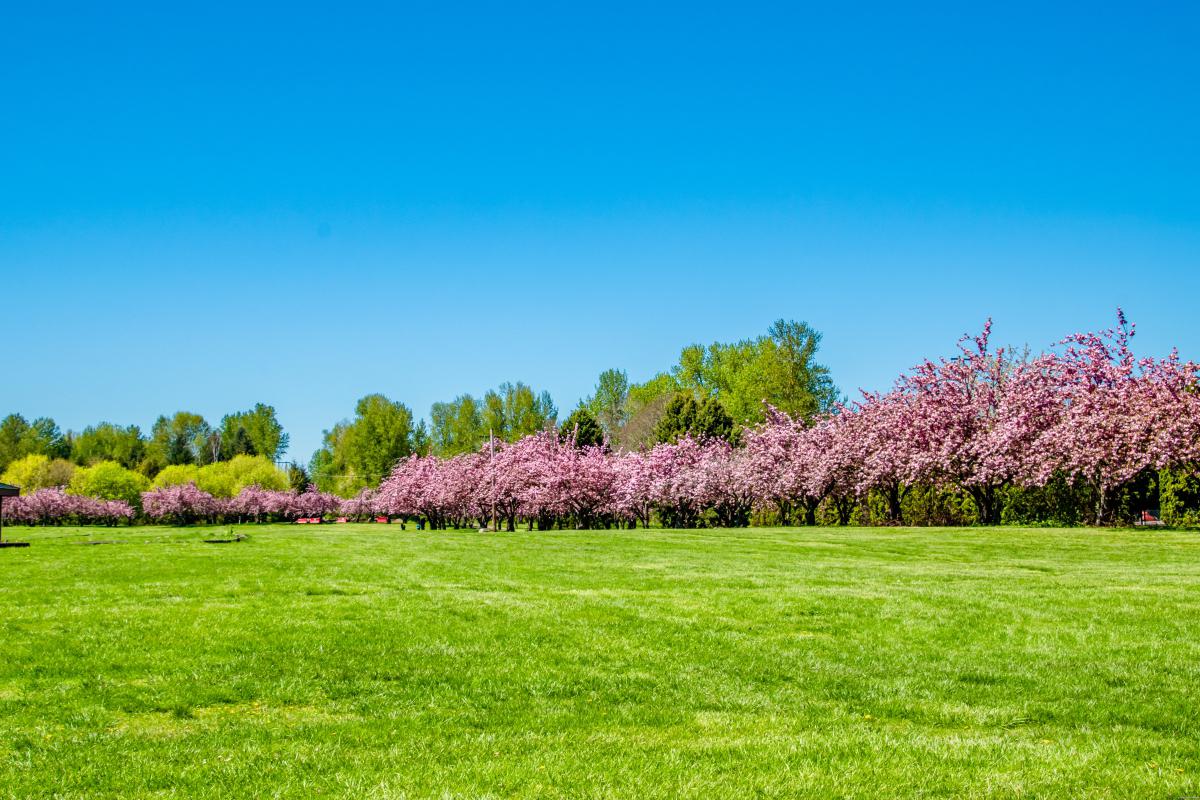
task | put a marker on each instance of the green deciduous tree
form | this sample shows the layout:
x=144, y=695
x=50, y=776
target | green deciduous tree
x=509, y=412
x=12, y=433
x=176, y=475
x=109, y=442
x=228, y=478
x=256, y=432
x=361, y=452
x=514, y=411
x=19, y=437
x=779, y=368
x=609, y=404
x=457, y=426
x=183, y=438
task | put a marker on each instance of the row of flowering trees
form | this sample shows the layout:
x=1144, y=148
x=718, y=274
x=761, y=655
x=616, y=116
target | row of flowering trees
x=1089, y=414
x=548, y=481
x=182, y=504
x=186, y=503
x=52, y=506
x=980, y=425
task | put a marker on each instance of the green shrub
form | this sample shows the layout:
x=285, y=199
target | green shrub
x=37, y=471
x=108, y=480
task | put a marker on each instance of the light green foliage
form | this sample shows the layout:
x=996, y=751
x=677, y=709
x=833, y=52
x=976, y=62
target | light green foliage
x=177, y=475
x=609, y=404
x=108, y=480
x=363, y=451
x=645, y=394
x=36, y=471
x=779, y=368
x=216, y=479
x=513, y=411
x=228, y=478
x=12, y=433
x=509, y=413
x=421, y=442
x=457, y=426
x=21, y=471
x=253, y=432
x=812, y=663
x=109, y=442
x=257, y=470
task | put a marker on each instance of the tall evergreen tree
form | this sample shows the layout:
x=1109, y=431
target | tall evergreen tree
x=581, y=428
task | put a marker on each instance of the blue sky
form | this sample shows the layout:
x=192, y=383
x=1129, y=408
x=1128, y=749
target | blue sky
x=212, y=206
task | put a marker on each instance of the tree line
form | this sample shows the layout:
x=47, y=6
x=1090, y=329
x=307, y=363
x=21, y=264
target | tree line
x=1086, y=432
x=713, y=389
x=118, y=462
x=710, y=391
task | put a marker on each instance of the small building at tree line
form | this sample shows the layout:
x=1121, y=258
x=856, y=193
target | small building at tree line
x=6, y=490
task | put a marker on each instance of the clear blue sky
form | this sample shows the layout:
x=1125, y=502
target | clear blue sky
x=210, y=206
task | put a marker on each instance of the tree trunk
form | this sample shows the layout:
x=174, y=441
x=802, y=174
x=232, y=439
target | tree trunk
x=987, y=503
x=1101, y=505
x=895, y=499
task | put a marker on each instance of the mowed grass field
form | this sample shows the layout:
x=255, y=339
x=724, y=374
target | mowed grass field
x=366, y=661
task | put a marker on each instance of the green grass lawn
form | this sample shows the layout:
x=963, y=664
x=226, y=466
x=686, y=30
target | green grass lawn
x=365, y=661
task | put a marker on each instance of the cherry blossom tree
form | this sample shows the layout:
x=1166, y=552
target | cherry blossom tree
x=313, y=503
x=1121, y=415
x=676, y=484
x=181, y=504
x=725, y=481
x=359, y=507
x=779, y=463
x=974, y=421
x=632, y=481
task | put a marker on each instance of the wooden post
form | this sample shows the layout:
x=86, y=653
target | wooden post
x=492, y=464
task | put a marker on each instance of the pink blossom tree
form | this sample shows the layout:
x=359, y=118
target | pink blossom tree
x=632, y=500
x=182, y=504
x=1121, y=415
x=676, y=486
x=974, y=421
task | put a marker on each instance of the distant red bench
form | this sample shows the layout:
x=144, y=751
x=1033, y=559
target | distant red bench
x=384, y=520
x=1149, y=520
x=309, y=521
